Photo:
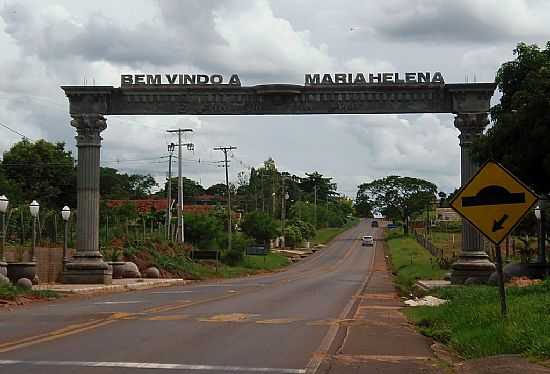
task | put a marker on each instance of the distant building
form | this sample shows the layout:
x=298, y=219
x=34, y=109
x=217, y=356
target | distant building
x=447, y=215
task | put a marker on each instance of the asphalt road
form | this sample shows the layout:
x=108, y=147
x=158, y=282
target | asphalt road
x=278, y=323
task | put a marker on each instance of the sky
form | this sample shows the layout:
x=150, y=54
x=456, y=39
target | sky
x=46, y=44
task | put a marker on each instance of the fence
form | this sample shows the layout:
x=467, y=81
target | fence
x=508, y=247
x=49, y=261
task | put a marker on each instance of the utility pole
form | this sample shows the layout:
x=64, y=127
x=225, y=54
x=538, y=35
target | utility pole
x=284, y=197
x=171, y=148
x=229, y=228
x=273, y=195
x=180, y=236
x=283, y=209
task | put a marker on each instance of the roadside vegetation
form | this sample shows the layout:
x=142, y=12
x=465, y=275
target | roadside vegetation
x=13, y=293
x=410, y=261
x=471, y=324
x=325, y=235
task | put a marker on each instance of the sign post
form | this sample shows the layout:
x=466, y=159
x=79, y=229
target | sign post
x=494, y=201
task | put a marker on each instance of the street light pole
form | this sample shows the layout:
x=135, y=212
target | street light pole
x=65, y=214
x=34, y=207
x=4, y=203
x=539, y=213
x=171, y=148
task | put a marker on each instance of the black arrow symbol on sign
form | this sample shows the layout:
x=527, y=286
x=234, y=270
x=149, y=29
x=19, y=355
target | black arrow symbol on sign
x=497, y=225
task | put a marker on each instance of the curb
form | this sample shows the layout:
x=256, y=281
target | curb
x=99, y=289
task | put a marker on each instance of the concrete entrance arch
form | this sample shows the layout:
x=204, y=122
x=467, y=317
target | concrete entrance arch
x=343, y=94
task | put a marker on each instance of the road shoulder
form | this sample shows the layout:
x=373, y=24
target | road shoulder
x=378, y=337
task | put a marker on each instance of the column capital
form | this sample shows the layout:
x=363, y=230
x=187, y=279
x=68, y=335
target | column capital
x=88, y=127
x=471, y=126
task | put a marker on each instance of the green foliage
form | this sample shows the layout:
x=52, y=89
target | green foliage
x=11, y=292
x=325, y=235
x=397, y=197
x=190, y=188
x=471, y=323
x=116, y=186
x=410, y=262
x=203, y=230
x=39, y=171
x=260, y=226
x=239, y=243
x=520, y=135
x=218, y=189
x=307, y=230
x=293, y=235
x=364, y=208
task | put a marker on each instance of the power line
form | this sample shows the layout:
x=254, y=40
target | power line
x=14, y=131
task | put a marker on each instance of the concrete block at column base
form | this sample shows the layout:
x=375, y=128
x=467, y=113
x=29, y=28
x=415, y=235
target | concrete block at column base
x=3, y=269
x=87, y=273
x=472, y=268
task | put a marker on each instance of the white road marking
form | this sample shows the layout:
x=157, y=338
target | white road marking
x=169, y=292
x=118, y=302
x=151, y=365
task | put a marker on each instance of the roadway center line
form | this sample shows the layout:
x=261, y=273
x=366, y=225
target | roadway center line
x=152, y=365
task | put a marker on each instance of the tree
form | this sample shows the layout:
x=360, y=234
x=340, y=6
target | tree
x=363, y=208
x=397, y=197
x=325, y=187
x=141, y=186
x=260, y=226
x=218, y=189
x=520, y=135
x=40, y=171
x=203, y=230
x=113, y=185
x=190, y=189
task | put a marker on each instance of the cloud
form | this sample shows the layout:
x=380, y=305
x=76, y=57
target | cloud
x=61, y=42
x=436, y=21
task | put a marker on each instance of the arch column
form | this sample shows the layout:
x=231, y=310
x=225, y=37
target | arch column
x=87, y=265
x=473, y=262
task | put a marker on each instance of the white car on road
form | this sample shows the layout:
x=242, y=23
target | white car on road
x=367, y=240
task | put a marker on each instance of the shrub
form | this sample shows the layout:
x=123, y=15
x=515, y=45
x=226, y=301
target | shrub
x=293, y=235
x=260, y=226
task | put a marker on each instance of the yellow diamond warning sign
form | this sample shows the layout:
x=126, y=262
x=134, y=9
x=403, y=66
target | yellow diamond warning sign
x=494, y=201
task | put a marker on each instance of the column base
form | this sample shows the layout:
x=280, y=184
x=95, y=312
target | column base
x=472, y=268
x=3, y=268
x=87, y=270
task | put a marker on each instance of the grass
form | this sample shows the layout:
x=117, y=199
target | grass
x=410, y=261
x=182, y=266
x=325, y=235
x=471, y=324
x=11, y=292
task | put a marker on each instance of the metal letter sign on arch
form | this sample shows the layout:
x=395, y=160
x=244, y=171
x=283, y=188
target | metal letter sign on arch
x=494, y=201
